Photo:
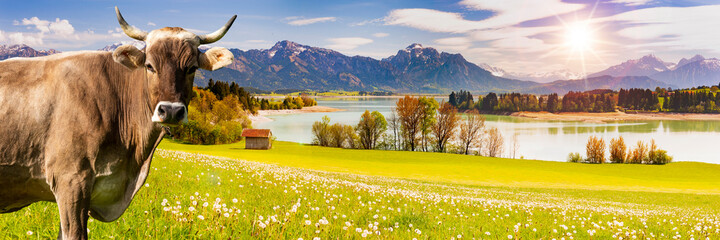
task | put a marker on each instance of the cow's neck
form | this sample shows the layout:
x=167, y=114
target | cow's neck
x=137, y=132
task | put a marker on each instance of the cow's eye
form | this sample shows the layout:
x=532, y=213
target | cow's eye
x=149, y=67
x=192, y=70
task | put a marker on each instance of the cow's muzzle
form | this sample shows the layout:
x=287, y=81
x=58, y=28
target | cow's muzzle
x=170, y=113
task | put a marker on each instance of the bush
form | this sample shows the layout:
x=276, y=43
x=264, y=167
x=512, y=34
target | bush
x=574, y=158
x=639, y=154
x=618, y=150
x=657, y=156
x=595, y=150
x=212, y=121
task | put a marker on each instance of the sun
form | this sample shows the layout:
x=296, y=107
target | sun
x=579, y=36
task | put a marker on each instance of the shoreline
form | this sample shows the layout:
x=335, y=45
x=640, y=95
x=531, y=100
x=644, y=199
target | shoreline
x=616, y=116
x=260, y=117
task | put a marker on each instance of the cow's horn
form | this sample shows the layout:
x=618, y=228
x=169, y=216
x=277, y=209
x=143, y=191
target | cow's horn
x=131, y=31
x=217, y=35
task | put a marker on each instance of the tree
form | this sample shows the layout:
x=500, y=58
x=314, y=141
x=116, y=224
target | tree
x=429, y=107
x=639, y=154
x=444, y=129
x=618, y=150
x=321, y=132
x=471, y=129
x=494, y=143
x=410, y=115
x=515, y=145
x=394, y=124
x=595, y=150
x=370, y=129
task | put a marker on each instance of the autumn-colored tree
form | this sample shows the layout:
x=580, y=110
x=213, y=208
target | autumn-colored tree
x=429, y=107
x=212, y=121
x=410, y=115
x=444, y=129
x=337, y=135
x=321, y=132
x=494, y=143
x=595, y=150
x=370, y=128
x=471, y=130
x=618, y=150
x=639, y=154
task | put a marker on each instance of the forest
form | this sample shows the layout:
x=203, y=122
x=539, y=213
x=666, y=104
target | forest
x=702, y=99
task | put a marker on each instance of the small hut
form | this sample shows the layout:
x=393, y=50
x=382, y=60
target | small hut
x=257, y=138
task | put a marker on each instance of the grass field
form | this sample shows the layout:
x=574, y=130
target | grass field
x=296, y=191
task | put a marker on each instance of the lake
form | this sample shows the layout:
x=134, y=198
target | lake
x=537, y=139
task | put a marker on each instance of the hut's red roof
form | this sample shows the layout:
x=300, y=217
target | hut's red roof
x=256, y=133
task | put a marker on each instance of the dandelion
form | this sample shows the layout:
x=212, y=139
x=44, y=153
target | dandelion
x=29, y=232
x=234, y=200
x=510, y=237
x=308, y=222
x=201, y=217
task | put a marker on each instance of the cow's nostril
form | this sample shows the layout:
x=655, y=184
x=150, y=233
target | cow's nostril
x=180, y=114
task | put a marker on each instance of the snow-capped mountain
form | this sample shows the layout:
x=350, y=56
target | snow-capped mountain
x=645, y=66
x=684, y=61
x=698, y=71
x=23, y=50
x=542, y=77
x=693, y=72
x=112, y=47
x=290, y=65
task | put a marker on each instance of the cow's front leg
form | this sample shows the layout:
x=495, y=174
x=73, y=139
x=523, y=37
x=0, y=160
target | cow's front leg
x=72, y=194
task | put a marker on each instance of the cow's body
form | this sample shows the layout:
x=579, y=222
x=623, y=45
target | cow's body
x=80, y=128
x=76, y=115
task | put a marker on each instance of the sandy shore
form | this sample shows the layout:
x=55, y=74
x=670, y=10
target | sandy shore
x=615, y=116
x=260, y=117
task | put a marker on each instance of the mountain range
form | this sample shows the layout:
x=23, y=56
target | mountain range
x=418, y=69
x=541, y=77
x=693, y=72
x=23, y=50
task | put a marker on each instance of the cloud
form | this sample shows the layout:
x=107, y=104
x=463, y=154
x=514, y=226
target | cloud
x=366, y=22
x=454, y=44
x=55, y=34
x=507, y=13
x=632, y=2
x=431, y=20
x=61, y=27
x=302, y=22
x=151, y=24
x=681, y=28
x=2, y=36
x=511, y=12
x=347, y=43
x=380, y=35
x=507, y=32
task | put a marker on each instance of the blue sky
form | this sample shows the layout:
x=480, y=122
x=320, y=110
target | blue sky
x=516, y=35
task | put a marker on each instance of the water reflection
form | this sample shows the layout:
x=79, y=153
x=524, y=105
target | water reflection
x=538, y=139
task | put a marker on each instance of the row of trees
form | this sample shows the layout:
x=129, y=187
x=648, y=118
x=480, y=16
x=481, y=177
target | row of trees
x=591, y=101
x=638, y=99
x=211, y=120
x=619, y=152
x=692, y=101
x=252, y=104
x=416, y=124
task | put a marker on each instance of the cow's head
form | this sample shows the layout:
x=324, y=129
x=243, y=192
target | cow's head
x=170, y=58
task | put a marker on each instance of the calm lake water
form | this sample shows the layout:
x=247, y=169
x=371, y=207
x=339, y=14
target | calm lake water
x=538, y=139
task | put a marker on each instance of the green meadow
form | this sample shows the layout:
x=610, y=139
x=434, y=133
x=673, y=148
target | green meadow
x=297, y=191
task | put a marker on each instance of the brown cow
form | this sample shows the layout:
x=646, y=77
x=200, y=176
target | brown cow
x=80, y=128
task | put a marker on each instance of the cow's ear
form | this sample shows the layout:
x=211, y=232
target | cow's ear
x=129, y=56
x=215, y=58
